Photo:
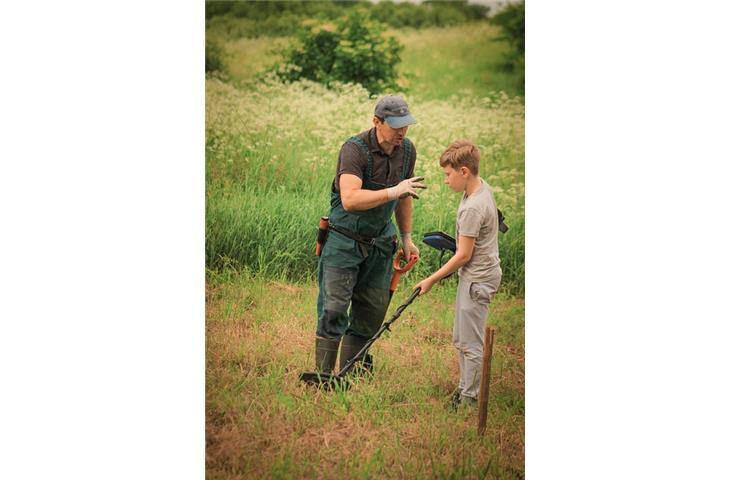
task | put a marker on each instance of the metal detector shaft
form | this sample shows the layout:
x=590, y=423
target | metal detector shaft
x=385, y=326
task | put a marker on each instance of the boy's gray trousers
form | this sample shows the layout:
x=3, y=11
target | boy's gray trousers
x=472, y=301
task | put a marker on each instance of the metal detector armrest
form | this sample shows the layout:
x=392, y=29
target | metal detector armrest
x=440, y=241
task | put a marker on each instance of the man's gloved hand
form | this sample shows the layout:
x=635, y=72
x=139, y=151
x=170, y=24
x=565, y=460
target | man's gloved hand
x=405, y=188
x=409, y=248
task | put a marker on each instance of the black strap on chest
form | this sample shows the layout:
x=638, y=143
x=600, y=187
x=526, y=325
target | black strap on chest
x=407, y=153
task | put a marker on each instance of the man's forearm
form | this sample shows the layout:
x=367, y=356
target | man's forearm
x=404, y=214
x=362, y=199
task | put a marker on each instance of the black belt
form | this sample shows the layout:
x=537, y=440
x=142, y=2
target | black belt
x=353, y=236
x=365, y=243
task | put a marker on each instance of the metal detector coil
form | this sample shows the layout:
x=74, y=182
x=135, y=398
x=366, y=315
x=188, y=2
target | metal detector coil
x=440, y=241
x=443, y=241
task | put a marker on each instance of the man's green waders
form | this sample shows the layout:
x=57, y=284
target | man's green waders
x=355, y=274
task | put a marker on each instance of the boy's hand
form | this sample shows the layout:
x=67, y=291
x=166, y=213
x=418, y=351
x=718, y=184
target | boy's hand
x=425, y=286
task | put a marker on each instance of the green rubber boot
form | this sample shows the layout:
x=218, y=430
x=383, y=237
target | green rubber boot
x=325, y=352
x=350, y=347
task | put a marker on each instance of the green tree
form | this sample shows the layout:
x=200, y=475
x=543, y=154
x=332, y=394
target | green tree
x=512, y=22
x=353, y=49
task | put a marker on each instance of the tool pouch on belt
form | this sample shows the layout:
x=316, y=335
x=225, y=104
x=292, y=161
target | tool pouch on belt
x=322, y=235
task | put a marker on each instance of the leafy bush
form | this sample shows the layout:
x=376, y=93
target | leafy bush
x=215, y=55
x=351, y=50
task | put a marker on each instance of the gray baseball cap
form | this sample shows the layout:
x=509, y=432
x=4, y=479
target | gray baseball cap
x=394, y=110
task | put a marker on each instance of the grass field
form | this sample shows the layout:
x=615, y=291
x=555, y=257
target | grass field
x=263, y=423
x=270, y=157
x=436, y=63
x=465, y=60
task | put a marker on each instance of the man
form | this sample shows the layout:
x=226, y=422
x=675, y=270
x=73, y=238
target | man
x=374, y=178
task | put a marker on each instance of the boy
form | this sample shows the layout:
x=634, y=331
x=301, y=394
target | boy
x=476, y=259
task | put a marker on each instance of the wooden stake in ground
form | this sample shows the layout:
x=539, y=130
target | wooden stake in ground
x=484, y=384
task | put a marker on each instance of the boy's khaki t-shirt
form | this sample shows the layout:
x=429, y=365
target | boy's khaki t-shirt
x=477, y=217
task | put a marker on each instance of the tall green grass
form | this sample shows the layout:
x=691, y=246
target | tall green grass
x=272, y=152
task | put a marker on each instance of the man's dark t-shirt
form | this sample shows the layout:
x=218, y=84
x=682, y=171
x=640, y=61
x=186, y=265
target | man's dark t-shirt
x=386, y=169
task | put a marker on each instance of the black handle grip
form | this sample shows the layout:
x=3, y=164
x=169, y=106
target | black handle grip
x=413, y=296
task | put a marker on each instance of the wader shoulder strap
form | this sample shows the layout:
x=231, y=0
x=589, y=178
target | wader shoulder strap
x=407, y=154
x=365, y=151
x=408, y=151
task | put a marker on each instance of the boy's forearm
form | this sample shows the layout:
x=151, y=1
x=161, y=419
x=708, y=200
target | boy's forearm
x=454, y=263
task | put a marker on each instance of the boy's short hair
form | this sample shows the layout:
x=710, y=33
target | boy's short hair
x=461, y=153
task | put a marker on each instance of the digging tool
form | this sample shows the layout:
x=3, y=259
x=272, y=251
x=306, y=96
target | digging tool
x=484, y=384
x=398, y=270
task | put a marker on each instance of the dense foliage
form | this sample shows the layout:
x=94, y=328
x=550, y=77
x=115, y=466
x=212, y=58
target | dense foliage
x=351, y=50
x=512, y=22
x=215, y=55
x=262, y=18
